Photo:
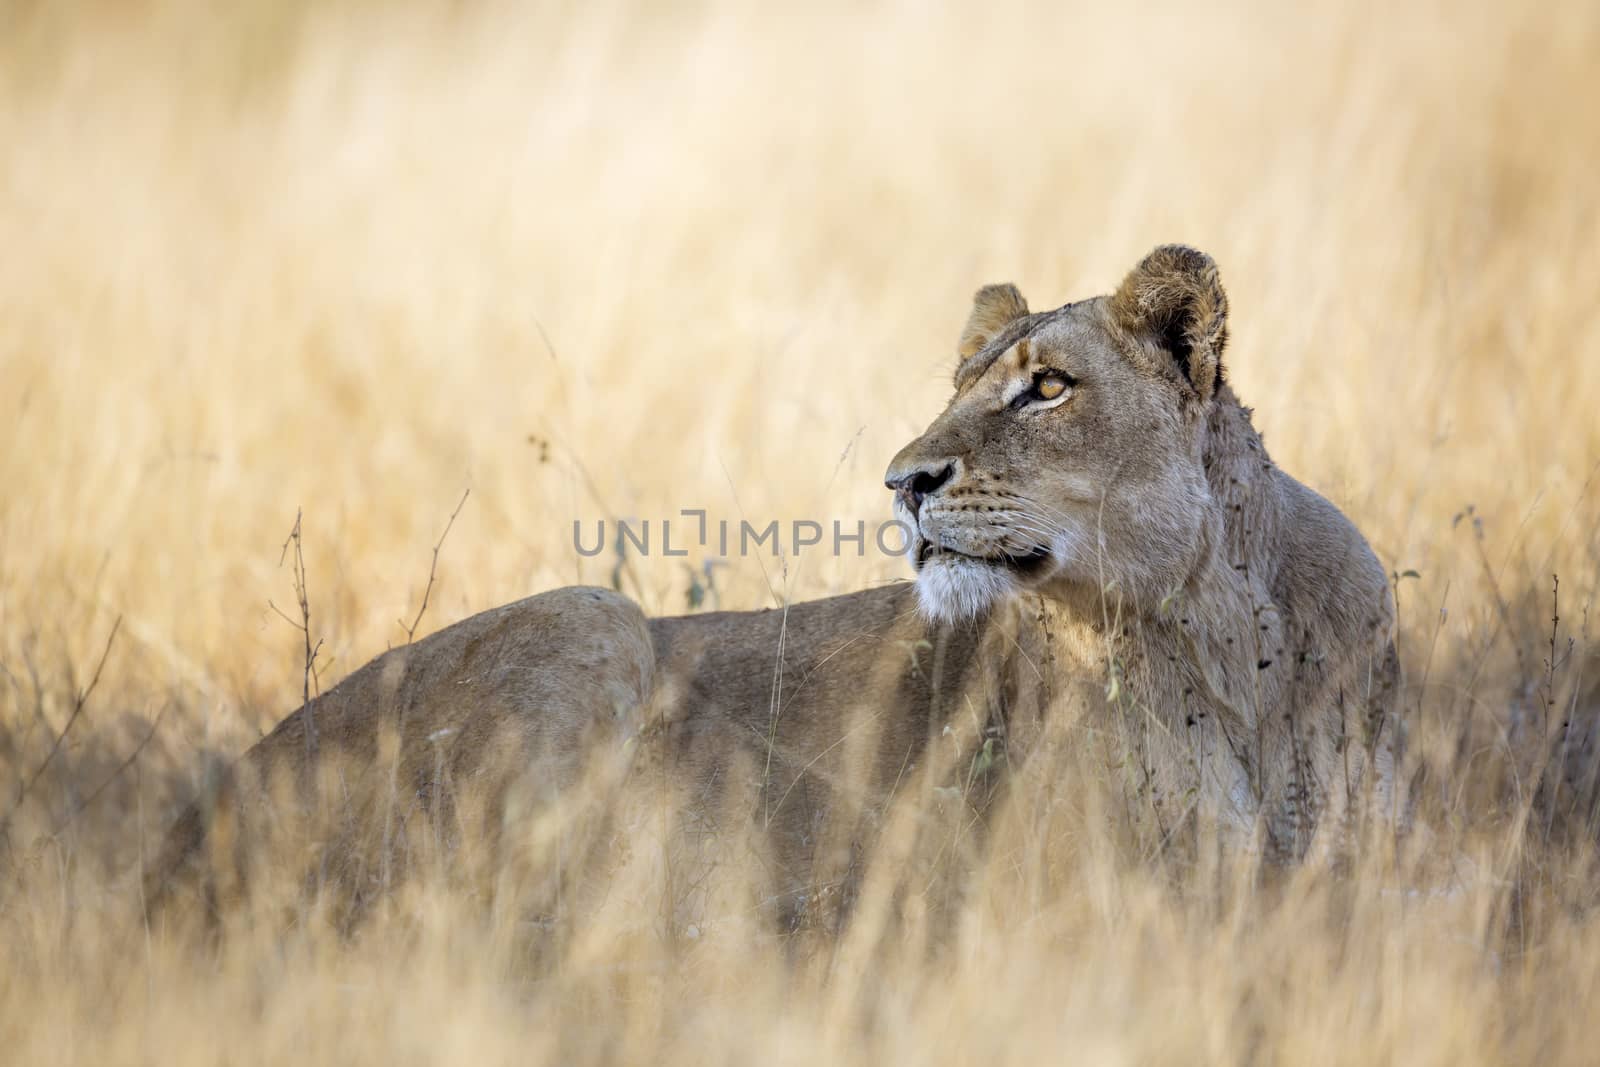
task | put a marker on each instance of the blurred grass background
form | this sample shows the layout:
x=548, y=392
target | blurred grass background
x=608, y=260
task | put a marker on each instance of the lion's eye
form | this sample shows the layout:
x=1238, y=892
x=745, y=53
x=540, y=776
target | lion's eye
x=1050, y=386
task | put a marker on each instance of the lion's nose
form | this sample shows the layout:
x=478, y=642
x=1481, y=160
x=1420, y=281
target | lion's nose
x=915, y=486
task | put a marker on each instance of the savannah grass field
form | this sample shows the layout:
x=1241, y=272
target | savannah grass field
x=349, y=261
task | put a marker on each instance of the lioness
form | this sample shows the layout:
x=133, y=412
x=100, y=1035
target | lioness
x=1096, y=523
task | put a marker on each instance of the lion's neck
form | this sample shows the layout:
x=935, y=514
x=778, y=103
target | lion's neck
x=1232, y=451
x=1242, y=477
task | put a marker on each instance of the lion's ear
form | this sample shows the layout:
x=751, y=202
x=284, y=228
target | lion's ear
x=994, y=307
x=1174, y=300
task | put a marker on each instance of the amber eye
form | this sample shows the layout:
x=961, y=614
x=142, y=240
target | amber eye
x=1050, y=386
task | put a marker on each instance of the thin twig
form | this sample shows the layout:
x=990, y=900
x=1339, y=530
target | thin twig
x=283, y=616
x=77, y=710
x=1548, y=698
x=411, y=631
x=308, y=673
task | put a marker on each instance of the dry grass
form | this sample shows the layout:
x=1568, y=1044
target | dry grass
x=590, y=261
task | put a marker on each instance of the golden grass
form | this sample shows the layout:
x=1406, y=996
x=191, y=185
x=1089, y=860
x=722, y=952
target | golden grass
x=592, y=261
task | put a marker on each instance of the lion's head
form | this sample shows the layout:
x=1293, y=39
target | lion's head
x=1070, y=460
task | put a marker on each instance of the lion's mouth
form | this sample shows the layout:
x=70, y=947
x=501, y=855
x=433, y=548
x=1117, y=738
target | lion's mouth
x=1023, y=564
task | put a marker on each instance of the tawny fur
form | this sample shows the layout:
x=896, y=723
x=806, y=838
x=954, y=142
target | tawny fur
x=1226, y=629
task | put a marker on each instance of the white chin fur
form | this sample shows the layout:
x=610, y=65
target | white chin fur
x=955, y=590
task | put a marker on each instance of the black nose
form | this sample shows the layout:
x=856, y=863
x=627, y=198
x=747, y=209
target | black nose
x=918, y=485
